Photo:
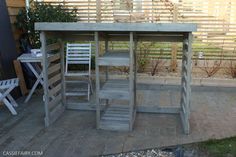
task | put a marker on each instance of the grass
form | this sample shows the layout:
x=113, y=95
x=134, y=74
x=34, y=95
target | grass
x=220, y=148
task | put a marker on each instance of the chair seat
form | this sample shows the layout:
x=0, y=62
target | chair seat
x=4, y=84
x=77, y=73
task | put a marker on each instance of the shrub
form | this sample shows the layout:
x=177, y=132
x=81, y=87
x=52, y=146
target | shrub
x=157, y=64
x=41, y=12
x=231, y=69
x=142, y=58
x=209, y=69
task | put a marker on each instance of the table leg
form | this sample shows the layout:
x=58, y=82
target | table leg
x=33, y=88
x=37, y=75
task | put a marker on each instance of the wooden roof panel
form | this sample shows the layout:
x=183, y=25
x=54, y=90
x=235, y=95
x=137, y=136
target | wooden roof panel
x=106, y=27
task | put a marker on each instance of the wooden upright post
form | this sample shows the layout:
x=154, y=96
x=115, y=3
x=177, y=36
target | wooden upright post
x=45, y=76
x=98, y=10
x=106, y=50
x=131, y=79
x=174, y=47
x=186, y=81
x=62, y=56
x=96, y=38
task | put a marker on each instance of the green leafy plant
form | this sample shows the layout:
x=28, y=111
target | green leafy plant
x=142, y=59
x=42, y=12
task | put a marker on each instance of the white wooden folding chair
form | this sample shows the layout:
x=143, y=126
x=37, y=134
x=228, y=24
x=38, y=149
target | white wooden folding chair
x=79, y=54
x=6, y=86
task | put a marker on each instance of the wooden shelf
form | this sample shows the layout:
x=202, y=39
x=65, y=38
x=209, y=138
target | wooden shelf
x=116, y=58
x=115, y=89
x=115, y=117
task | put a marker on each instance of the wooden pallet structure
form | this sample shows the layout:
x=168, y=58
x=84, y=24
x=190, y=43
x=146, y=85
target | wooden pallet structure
x=115, y=116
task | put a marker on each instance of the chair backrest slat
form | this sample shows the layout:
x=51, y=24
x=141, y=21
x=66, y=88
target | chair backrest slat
x=78, y=54
x=9, y=83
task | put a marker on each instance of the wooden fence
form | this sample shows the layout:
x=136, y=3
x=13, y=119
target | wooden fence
x=215, y=18
x=13, y=8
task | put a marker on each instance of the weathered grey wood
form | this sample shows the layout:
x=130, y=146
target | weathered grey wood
x=189, y=68
x=117, y=32
x=54, y=57
x=76, y=89
x=56, y=112
x=55, y=46
x=148, y=37
x=54, y=68
x=185, y=123
x=27, y=57
x=62, y=66
x=185, y=82
x=106, y=68
x=135, y=27
x=45, y=76
x=135, y=79
x=6, y=86
x=140, y=37
x=55, y=101
x=82, y=93
x=96, y=38
x=55, y=90
x=115, y=117
x=131, y=80
x=106, y=50
x=54, y=79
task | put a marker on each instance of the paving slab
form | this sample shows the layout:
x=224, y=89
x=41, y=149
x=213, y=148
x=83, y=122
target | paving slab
x=213, y=115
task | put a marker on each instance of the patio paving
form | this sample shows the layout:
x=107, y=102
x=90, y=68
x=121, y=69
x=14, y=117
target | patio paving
x=213, y=115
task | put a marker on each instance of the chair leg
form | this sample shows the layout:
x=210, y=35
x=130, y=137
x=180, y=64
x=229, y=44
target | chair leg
x=9, y=106
x=91, y=85
x=3, y=95
x=13, y=102
x=88, y=91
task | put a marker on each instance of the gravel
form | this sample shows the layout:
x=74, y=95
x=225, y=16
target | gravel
x=148, y=153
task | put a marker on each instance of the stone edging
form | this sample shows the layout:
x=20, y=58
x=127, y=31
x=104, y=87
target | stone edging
x=214, y=82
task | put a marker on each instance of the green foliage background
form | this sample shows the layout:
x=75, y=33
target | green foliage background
x=42, y=12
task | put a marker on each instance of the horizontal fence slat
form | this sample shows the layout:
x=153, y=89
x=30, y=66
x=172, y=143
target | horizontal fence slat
x=54, y=79
x=52, y=47
x=216, y=29
x=52, y=92
x=53, y=68
x=54, y=57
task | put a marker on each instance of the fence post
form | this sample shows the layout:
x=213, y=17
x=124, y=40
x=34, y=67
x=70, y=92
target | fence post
x=174, y=47
x=98, y=10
